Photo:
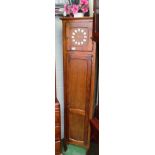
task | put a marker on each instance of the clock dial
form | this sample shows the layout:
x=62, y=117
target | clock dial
x=79, y=36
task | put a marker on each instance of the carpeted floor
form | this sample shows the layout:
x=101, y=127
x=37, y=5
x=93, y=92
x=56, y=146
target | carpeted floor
x=74, y=150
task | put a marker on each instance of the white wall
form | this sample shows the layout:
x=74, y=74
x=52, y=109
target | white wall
x=59, y=69
x=27, y=75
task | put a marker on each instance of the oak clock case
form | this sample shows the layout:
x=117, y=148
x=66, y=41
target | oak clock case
x=79, y=78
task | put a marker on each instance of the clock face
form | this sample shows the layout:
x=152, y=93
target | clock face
x=79, y=36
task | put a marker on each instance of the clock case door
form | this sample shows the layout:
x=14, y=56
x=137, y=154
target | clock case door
x=78, y=97
x=79, y=36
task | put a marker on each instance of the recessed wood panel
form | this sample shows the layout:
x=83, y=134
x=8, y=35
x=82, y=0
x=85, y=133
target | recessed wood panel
x=78, y=94
x=57, y=133
x=57, y=148
x=76, y=133
x=57, y=118
x=77, y=80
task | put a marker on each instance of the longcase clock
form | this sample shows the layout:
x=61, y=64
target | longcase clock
x=79, y=60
